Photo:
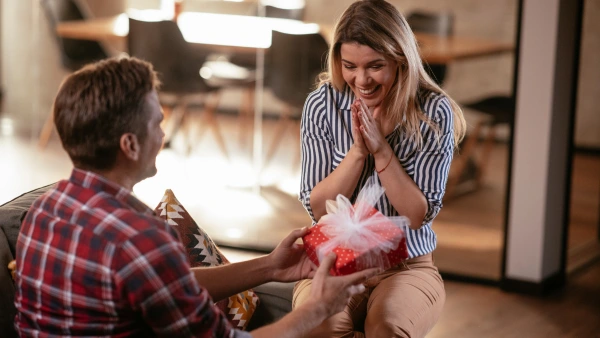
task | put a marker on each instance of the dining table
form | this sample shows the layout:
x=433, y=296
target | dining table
x=248, y=33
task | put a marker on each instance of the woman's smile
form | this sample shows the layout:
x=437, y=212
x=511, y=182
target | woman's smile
x=369, y=74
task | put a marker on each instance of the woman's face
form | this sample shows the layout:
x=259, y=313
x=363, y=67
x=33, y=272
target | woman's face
x=369, y=74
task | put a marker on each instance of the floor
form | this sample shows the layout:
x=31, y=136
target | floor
x=476, y=311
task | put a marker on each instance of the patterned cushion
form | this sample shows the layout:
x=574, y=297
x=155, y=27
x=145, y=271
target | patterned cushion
x=202, y=251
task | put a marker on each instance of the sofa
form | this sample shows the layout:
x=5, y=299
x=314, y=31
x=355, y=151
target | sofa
x=275, y=298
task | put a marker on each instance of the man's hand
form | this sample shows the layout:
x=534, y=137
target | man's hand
x=12, y=266
x=289, y=261
x=332, y=293
x=329, y=295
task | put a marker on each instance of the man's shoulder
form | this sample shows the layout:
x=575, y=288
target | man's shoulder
x=97, y=211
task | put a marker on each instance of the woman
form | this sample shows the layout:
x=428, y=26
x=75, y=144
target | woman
x=377, y=113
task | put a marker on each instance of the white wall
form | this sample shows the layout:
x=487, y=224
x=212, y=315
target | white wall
x=538, y=182
x=467, y=80
x=30, y=60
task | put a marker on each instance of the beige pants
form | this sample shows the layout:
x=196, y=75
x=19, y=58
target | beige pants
x=405, y=301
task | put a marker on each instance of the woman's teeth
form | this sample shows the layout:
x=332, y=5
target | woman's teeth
x=367, y=91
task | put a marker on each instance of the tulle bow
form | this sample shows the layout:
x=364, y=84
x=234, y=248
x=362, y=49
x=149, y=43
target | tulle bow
x=355, y=226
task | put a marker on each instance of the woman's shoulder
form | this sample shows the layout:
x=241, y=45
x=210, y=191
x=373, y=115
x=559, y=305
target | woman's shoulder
x=327, y=96
x=436, y=105
x=320, y=92
x=324, y=91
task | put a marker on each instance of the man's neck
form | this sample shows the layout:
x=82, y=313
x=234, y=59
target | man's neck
x=120, y=177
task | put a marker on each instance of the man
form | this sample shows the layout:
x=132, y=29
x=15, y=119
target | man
x=92, y=260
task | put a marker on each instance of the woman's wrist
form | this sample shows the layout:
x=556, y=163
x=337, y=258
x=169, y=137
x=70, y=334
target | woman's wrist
x=358, y=153
x=383, y=156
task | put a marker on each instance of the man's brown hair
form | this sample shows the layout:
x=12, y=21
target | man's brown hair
x=99, y=103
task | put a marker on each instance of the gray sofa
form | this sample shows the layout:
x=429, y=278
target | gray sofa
x=275, y=298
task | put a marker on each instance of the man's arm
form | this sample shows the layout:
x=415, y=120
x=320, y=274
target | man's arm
x=287, y=263
x=225, y=280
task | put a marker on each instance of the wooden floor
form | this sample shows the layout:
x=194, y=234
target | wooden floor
x=481, y=311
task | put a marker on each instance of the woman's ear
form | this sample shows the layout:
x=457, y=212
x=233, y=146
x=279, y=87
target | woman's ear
x=130, y=146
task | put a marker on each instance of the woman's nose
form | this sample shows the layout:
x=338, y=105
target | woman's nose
x=362, y=77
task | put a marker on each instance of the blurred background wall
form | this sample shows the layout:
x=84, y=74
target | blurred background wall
x=30, y=57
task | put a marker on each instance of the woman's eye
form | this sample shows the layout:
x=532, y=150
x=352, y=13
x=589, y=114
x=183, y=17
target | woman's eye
x=349, y=67
x=376, y=66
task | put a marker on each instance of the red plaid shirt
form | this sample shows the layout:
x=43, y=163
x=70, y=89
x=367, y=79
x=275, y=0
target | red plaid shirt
x=93, y=260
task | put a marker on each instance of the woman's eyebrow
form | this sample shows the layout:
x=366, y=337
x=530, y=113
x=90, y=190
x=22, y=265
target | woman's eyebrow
x=370, y=62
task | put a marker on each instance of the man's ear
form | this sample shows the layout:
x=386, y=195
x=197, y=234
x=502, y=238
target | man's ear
x=130, y=146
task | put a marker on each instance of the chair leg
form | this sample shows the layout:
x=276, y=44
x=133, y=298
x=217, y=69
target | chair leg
x=46, y=131
x=211, y=122
x=460, y=162
x=282, y=125
x=246, y=113
x=297, y=154
x=174, y=118
x=485, y=155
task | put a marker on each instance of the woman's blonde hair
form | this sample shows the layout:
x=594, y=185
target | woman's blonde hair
x=379, y=25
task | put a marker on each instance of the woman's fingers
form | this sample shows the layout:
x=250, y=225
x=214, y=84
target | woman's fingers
x=366, y=110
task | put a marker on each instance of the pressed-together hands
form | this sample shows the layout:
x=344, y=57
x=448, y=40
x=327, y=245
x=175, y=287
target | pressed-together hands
x=367, y=129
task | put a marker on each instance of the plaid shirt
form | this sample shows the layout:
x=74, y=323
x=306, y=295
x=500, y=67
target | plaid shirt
x=93, y=260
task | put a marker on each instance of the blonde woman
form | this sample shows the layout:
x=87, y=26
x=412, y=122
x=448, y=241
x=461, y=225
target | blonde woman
x=377, y=113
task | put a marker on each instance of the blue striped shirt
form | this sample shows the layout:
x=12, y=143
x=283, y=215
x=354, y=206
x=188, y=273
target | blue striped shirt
x=326, y=132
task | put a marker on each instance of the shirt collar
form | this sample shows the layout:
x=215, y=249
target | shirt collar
x=344, y=99
x=97, y=183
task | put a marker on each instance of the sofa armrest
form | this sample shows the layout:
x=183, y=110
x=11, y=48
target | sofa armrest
x=275, y=302
x=13, y=212
x=7, y=291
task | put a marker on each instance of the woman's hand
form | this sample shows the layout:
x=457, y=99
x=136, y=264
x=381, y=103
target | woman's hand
x=359, y=143
x=370, y=127
x=289, y=262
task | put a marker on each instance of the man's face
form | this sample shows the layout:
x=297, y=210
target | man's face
x=154, y=137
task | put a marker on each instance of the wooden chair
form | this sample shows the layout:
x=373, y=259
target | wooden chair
x=441, y=24
x=292, y=67
x=74, y=54
x=186, y=72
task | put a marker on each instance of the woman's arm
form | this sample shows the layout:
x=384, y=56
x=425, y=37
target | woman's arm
x=418, y=198
x=319, y=184
x=342, y=180
x=402, y=192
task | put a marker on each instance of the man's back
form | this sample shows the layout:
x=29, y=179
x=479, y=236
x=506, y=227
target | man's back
x=91, y=261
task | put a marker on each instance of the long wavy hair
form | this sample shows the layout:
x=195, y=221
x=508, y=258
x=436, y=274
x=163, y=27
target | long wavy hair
x=379, y=25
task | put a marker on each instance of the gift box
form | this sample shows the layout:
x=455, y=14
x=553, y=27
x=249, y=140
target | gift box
x=360, y=235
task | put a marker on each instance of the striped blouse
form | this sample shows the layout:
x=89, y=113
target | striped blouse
x=326, y=132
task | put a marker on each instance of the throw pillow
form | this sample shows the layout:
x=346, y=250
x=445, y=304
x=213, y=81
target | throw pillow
x=203, y=252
